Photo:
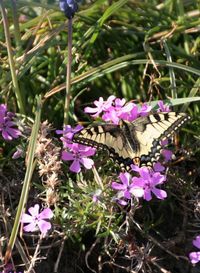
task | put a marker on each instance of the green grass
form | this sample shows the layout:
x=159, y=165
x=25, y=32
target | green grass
x=143, y=51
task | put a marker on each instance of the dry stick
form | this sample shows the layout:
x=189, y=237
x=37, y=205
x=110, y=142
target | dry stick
x=89, y=253
x=59, y=255
x=154, y=240
x=34, y=258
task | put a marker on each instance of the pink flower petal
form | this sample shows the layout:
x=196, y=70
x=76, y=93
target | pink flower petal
x=75, y=166
x=67, y=156
x=194, y=257
x=127, y=194
x=15, y=133
x=46, y=214
x=91, y=110
x=145, y=173
x=87, y=162
x=6, y=136
x=163, y=107
x=17, y=154
x=157, y=178
x=34, y=211
x=160, y=194
x=117, y=186
x=26, y=218
x=44, y=226
x=137, y=191
x=196, y=241
x=86, y=151
x=137, y=182
x=164, y=142
x=158, y=167
x=167, y=154
x=30, y=227
x=147, y=195
x=135, y=168
x=125, y=178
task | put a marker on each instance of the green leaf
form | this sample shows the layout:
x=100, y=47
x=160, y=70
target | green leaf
x=112, y=9
x=27, y=179
x=174, y=102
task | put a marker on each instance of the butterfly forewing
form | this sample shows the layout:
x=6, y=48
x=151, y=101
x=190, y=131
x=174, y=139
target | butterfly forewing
x=133, y=141
x=107, y=137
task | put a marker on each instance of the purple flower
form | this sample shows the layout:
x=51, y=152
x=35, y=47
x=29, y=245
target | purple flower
x=120, y=110
x=144, y=110
x=7, y=125
x=163, y=107
x=126, y=189
x=132, y=114
x=148, y=180
x=18, y=153
x=167, y=154
x=158, y=167
x=116, y=109
x=35, y=220
x=68, y=133
x=136, y=112
x=70, y=7
x=78, y=154
x=164, y=142
x=196, y=241
x=195, y=256
x=101, y=106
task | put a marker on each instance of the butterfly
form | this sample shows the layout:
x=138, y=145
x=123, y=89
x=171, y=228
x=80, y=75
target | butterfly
x=137, y=142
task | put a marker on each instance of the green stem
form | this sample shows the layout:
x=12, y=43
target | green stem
x=11, y=60
x=31, y=163
x=68, y=75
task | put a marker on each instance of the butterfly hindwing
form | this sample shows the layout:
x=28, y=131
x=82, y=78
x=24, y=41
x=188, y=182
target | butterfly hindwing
x=130, y=142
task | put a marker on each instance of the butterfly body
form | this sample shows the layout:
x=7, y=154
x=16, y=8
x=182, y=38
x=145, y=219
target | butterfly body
x=136, y=142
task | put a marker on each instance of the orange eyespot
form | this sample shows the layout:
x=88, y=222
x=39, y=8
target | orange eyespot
x=136, y=161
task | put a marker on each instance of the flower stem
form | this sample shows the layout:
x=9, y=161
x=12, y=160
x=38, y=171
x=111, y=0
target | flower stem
x=68, y=73
x=11, y=60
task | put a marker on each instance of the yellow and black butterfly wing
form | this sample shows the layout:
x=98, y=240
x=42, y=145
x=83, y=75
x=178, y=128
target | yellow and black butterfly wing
x=107, y=137
x=137, y=142
x=149, y=131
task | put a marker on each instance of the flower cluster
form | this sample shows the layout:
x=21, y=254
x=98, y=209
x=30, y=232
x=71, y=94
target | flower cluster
x=111, y=110
x=77, y=153
x=37, y=220
x=115, y=109
x=195, y=256
x=8, y=127
x=142, y=185
x=69, y=7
